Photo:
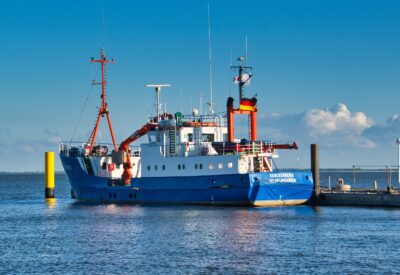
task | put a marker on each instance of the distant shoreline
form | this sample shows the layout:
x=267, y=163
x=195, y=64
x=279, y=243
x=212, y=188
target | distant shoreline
x=37, y=172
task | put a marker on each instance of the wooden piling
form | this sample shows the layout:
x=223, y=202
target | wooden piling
x=315, y=170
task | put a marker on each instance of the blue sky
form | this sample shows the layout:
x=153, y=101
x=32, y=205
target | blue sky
x=324, y=71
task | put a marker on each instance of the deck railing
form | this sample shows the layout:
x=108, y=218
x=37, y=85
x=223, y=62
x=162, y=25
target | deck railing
x=218, y=149
x=76, y=149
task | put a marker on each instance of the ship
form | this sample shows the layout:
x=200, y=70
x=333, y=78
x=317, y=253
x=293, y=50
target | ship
x=187, y=159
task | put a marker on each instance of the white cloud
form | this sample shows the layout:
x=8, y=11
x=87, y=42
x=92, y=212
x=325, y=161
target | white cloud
x=337, y=119
x=386, y=132
x=333, y=127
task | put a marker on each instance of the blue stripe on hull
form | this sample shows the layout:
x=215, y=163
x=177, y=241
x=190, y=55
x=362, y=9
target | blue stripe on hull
x=236, y=189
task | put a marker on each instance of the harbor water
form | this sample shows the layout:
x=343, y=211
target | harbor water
x=63, y=236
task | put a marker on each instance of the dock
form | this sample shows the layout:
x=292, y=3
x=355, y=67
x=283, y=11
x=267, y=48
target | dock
x=359, y=197
x=343, y=194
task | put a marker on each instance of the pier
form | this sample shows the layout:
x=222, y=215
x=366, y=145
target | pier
x=357, y=192
x=359, y=197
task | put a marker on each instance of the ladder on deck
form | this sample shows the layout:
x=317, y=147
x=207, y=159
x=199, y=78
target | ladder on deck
x=88, y=165
x=172, y=141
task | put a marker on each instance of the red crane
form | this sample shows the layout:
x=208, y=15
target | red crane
x=124, y=147
x=103, y=109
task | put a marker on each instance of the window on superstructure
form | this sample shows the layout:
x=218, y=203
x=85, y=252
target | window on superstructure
x=220, y=165
x=179, y=167
x=154, y=137
x=190, y=137
x=207, y=137
x=211, y=166
x=148, y=167
x=183, y=166
x=196, y=166
x=230, y=164
x=155, y=167
x=201, y=166
x=163, y=167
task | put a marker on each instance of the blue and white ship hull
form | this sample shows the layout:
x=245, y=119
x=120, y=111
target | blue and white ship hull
x=248, y=189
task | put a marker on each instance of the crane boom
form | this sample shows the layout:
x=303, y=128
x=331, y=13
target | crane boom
x=124, y=147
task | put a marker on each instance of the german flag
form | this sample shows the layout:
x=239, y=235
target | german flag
x=248, y=104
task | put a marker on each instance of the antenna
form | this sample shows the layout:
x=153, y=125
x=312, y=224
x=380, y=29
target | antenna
x=247, y=57
x=103, y=110
x=201, y=104
x=103, y=24
x=157, y=89
x=209, y=60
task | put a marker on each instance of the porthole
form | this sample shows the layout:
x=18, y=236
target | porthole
x=183, y=166
x=148, y=167
x=230, y=164
x=211, y=166
x=163, y=167
x=196, y=166
x=220, y=165
x=179, y=167
x=201, y=166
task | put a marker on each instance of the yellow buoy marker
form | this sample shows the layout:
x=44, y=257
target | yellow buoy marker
x=49, y=175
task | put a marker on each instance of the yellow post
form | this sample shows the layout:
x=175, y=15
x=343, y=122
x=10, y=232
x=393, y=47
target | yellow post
x=49, y=175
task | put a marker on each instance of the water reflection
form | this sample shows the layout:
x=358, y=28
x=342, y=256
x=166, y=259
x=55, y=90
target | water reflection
x=51, y=203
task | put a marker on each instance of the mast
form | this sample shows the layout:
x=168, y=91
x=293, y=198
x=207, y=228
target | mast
x=157, y=89
x=103, y=109
x=247, y=106
x=209, y=61
x=240, y=81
